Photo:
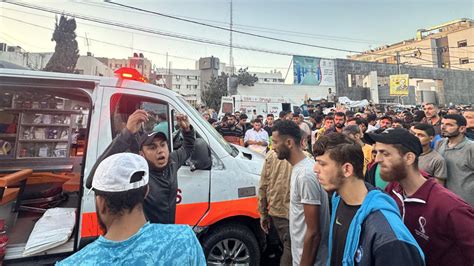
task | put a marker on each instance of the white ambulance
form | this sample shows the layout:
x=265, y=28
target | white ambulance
x=247, y=104
x=54, y=126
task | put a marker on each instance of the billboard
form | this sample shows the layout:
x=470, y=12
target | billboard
x=313, y=71
x=399, y=85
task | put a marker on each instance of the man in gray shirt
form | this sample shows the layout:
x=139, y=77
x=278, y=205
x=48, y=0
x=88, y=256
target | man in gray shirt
x=429, y=160
x=458, y=151
x=309, y=208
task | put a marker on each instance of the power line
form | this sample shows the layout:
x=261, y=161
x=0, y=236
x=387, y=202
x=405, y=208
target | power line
x=253, y=27
x=158, y=32
x=232, y=30
x=129, y=47
x=148, y=30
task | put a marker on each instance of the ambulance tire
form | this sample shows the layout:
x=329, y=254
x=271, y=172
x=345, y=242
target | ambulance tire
x=230, y=234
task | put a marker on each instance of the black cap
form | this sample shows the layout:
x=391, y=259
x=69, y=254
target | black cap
x=396, y=136
x=147, y=138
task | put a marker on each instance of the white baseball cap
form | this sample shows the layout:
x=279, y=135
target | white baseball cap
x=114, y=173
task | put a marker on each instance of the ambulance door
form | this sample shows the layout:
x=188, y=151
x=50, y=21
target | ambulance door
x=193, y=199
x=119, y=104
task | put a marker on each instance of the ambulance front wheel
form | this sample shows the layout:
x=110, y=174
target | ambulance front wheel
x=231, y=244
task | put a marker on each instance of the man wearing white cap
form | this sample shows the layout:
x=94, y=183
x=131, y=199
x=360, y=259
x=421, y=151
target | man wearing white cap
x=121, y=184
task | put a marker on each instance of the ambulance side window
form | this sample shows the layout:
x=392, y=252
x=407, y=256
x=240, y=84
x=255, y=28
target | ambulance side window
x=176, y=131
x=123, y=105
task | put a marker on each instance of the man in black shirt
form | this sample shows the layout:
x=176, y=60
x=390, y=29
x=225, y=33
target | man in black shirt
x=366, y=227
x=231, y=132
x=269, y=124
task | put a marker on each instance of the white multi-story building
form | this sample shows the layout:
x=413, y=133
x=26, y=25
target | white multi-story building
x=186, y=82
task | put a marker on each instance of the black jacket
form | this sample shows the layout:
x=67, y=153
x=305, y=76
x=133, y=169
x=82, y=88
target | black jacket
x=160, y=204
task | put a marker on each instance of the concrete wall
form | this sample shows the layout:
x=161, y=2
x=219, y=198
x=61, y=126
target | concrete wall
x=453, y=86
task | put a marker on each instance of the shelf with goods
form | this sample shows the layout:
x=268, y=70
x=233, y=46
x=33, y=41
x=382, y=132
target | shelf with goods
x=44, y=134
x=39, y=126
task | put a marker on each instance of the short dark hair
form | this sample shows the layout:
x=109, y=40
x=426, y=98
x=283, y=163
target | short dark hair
x=427, y=128
x=340, y=114
x=360, y=121
x=288, y=128
x=243, y=116
x=270, y=115
x=257, y=121
x=317, y=117
x=460, y=120
x=341, y=149
x=233, y=116
x=402, y=150
x=371, y=117
x=282, y=114
x=351, y=129
x=419, y=115
x=386, y=117
x=118, y=203
x=329, y=117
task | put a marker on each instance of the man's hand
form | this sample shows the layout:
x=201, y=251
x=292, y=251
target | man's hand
x=265, y=224
x=183, y=122
x=135, y=120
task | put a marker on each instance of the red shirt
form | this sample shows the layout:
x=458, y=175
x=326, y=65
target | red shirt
x=441, y=222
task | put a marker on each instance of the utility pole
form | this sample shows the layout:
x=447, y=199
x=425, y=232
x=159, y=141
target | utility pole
x=399, y=72
x=88, y=44
x=231, y=58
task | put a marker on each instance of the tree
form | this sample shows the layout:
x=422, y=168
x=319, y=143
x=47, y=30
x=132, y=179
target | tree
x=66, y=52
x=214, y=90
x=245, y=78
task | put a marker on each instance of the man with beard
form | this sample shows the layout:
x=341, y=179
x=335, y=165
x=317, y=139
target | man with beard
x=160, y=203
x=366, y=228
x=231, y=132
x=309, y=210
x=384, y=123
x=458, y=151
x=339, y=123
x=432, y=116
x=440, y=221
x=120, y=184
x=469, y=115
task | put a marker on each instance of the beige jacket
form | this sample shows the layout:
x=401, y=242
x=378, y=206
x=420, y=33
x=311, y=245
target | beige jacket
x=274, y=191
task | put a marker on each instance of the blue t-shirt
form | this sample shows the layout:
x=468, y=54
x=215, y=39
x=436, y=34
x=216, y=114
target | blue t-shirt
x=153, y=244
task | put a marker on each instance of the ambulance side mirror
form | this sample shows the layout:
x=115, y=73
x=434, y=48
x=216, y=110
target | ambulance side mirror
x=201, y=156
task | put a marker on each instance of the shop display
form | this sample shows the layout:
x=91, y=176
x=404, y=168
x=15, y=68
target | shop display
x=43, y=125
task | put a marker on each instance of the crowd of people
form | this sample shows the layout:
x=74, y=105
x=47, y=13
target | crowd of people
x=339, y=188
x=367, y=187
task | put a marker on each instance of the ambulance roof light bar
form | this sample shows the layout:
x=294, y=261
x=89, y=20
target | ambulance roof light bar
x=129, y=73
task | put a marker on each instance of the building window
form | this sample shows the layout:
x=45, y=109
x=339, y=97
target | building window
x=195, y=87
x=463, y=61
x=189, y=86
x=177, y=86
x=462, y=43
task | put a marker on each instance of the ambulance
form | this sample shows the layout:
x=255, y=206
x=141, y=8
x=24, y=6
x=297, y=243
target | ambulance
x=54, y=126
x=247, y=104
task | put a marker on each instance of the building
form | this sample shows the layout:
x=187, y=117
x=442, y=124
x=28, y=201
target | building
x=86, y=65
x=89, y=65
x=138, y=61
x=186, y=82
x=449, y=45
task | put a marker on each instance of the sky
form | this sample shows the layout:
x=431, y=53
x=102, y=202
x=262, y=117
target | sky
x=350, y=25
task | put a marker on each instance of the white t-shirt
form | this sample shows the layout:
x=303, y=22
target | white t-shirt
x=305, y=189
